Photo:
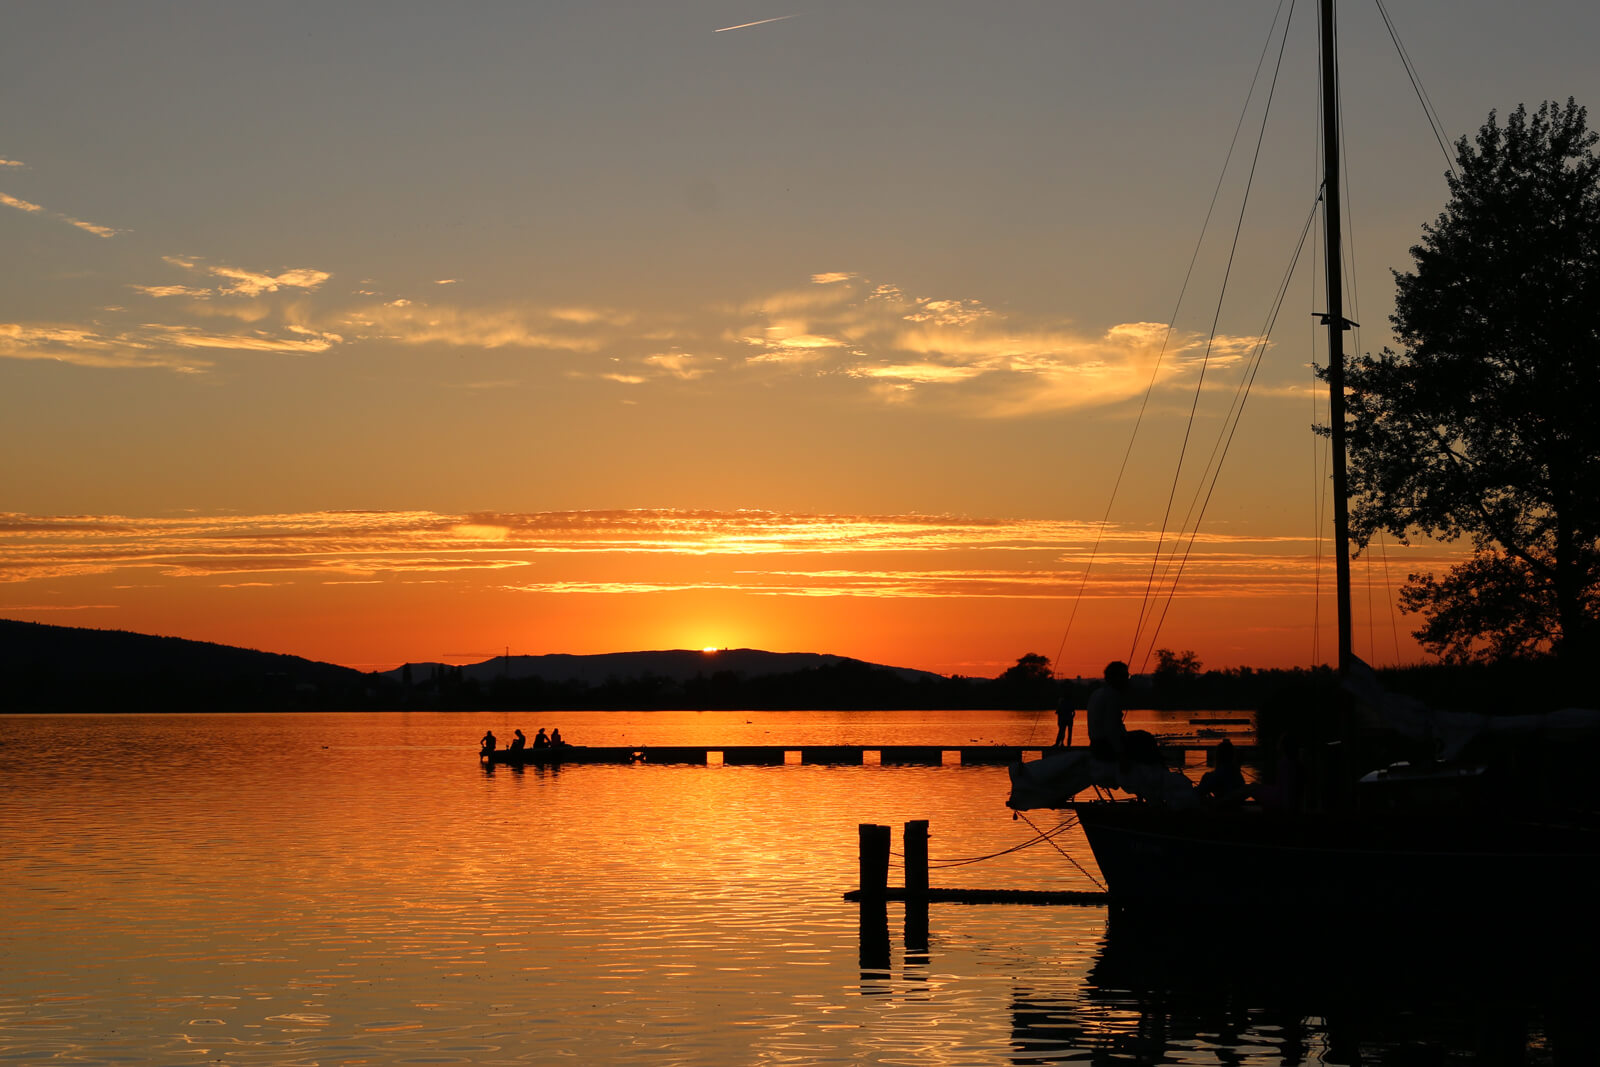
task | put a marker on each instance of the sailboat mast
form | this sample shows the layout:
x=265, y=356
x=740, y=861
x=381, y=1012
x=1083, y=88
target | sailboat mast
x=1337, y=324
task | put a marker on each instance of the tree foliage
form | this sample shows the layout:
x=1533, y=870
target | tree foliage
x=1486, y=425
x=1183, y=664
x=1030, y=668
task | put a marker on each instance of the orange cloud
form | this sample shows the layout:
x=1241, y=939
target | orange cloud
x=33, y=209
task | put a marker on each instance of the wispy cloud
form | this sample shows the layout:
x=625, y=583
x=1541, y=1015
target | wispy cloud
x=21, y=205
x=251, y=283
x=1022, y=557
x=156, y=345
x=259, y=341
x=12, y=163
x=236, y=281
x=90, y=227
x=415, y=323
x=38, y=209
x=958, y=353
x=159, y=291
x=90, y=348
x=681, y=365
x=840, y=330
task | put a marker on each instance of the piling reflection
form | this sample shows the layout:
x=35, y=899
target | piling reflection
x=874, y=937
x=916, y=930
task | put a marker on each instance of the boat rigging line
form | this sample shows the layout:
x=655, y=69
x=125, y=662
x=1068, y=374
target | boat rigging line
x=1224, y=442
x=1166, y=569
x=1166, y=340
x=1145, y=608
x=1416, y=85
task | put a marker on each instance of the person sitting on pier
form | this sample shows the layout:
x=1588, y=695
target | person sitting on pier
x=1108, y=736
x=518, y=743
x=540, y=740
x=488, y=741
x=555, y=738
x=1224, y=785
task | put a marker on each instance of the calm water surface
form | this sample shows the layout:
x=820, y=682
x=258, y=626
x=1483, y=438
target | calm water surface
x=354, y=889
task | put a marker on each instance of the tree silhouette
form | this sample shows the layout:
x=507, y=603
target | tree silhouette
x=1030, y=668
x=1487, y=423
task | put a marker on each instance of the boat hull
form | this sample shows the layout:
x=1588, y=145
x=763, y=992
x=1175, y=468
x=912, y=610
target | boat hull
x=1361, y=867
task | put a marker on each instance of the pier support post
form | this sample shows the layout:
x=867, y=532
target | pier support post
x=874, y=861
x=916, y=854
x=874, y=894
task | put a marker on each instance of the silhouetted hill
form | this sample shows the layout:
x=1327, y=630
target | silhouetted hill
x=67, y=668
x=672, y=665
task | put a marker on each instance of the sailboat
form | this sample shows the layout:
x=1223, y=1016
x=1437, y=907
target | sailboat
x=1416, y=847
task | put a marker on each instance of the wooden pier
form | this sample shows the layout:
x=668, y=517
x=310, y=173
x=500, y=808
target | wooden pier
x=1175, y=753
x=875, y=888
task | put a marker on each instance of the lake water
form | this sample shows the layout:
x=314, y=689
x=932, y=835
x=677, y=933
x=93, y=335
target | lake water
x=337, y=889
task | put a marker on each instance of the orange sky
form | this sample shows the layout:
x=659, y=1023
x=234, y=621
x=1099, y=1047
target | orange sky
x=372, y=589
x=387, y=332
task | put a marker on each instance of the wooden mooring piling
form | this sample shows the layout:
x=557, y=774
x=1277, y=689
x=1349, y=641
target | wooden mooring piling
x=875, y=893
x=875, y=888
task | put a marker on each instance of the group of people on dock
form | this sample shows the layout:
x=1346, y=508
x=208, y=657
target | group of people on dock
x=519, y=742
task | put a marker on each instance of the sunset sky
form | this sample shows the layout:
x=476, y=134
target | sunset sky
x=375, y=332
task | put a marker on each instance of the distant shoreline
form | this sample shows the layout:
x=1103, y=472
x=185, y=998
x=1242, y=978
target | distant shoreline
x=67, y=670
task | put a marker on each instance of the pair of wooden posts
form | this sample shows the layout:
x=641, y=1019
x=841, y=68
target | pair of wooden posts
x=875, y=893
x=875, y=860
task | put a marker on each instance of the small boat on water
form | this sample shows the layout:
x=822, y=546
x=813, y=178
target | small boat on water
x=1503, y=824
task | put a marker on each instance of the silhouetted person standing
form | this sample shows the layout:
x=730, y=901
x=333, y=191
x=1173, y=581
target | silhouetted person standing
x=1108, y=737
x=1066, y=712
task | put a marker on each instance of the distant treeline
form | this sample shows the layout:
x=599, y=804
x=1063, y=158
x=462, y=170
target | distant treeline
x=1514, y=688
x=62, y=669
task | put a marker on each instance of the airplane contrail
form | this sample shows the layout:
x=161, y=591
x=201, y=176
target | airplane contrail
x=747, y=25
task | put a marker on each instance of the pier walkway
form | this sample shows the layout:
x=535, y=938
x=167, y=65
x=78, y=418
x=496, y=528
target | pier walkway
x=1175, y=752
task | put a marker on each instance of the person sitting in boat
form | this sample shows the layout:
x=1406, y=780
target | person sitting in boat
x=540, y=740
x=1108, y=736
x=488, y=741
x=555, y=738
x=1066, y=712
x=518, y=743
x=1224, y=784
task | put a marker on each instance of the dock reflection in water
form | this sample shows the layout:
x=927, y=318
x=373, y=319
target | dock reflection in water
x=1156, y=994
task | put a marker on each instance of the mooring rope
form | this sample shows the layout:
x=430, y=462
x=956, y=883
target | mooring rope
x=1040, y=837
x=1063, y=851
x=958, y=861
